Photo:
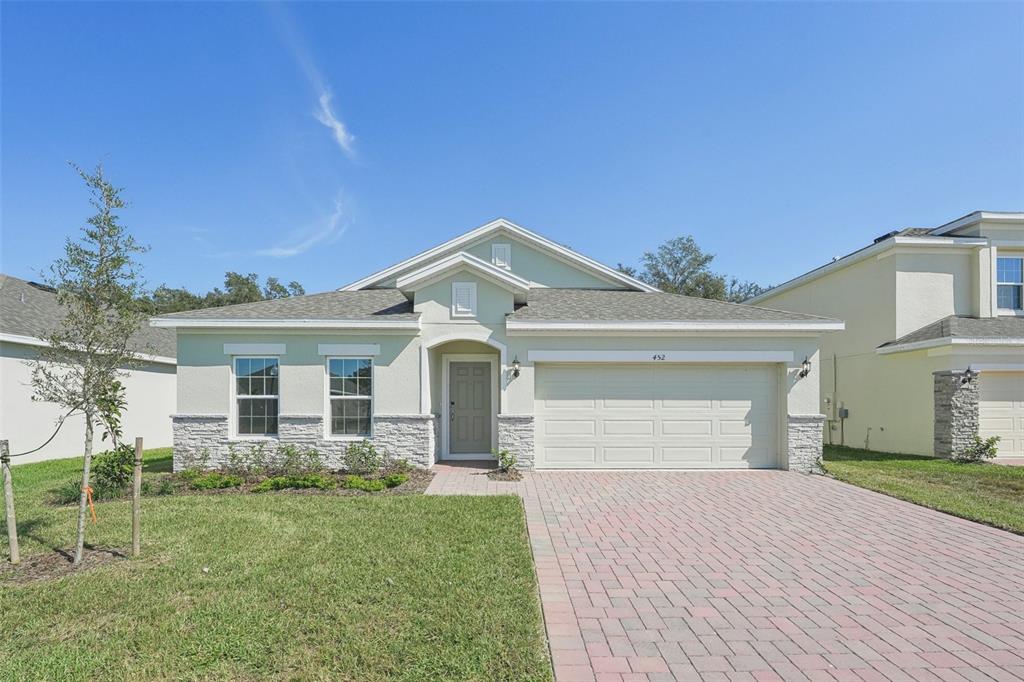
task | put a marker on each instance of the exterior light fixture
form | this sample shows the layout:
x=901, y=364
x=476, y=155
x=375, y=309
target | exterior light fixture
x=805, y=368
x=969, y=375
x=515, y=368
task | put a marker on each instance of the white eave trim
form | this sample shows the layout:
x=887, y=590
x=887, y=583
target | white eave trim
x=437, y=270
x=977, y=217
x=208, y=323
x=628, y=356
x=948, y=341
x=41, y=343
x=865, y=253
x=521, y=233
x=526, y=326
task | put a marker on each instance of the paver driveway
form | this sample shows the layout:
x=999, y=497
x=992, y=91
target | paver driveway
x=762, y=575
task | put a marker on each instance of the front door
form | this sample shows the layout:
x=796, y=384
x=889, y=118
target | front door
x=469, y=408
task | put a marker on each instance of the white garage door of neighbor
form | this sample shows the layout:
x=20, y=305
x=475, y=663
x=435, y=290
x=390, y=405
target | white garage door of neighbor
x=656, y=416
x=1001, y=411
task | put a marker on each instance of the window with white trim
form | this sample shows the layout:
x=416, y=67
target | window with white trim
x=463, y=299
x=350, y=394
x=501, y=255
x=256, y=396
x=1010, y=283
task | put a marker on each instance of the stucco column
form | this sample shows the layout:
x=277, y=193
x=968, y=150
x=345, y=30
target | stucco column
x=956, y=411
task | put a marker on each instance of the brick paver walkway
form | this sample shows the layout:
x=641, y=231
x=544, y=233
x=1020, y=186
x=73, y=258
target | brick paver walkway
x=761, y=576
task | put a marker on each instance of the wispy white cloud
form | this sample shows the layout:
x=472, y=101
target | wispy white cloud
x=325, y=115
x=330, y=230
x=296, y=45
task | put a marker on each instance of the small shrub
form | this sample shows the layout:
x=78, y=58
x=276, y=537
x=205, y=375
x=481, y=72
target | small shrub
x=212, y=480
x=359, y=483
x=295, y=461
x=979, y=451
x=506, y=460
x=68, y=493
x=361, y=458
x=113, y=468
x=162, y=486
x=395, y=480
x=285, y=482
x=400, y=466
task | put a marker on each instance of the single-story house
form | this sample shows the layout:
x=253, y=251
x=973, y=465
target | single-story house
x=503, y=339
x=28, y=312
x=926, y=309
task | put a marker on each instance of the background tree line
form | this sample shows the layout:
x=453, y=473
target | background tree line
x=679, y=266
x=238, y=288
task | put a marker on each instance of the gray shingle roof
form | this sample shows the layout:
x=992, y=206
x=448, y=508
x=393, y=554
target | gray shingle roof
x=964, y=328
x=614, y=305
x=29, y=310
x=366, y=304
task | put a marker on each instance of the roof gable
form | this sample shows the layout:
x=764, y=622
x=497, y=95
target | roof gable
x=501, y=226
x=437, y=270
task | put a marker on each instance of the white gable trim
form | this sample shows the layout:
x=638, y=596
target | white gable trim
x=437, y=270
x=948, y=341
x=521, y=233
x=978, y=217
x=22, y=340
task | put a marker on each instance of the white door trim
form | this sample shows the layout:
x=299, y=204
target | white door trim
x=446, y=361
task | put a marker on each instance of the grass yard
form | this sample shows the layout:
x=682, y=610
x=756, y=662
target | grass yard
x=277, y=586
x=988, y=493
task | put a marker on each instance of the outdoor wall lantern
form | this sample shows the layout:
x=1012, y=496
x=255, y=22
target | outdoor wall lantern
x=969, y=376
x=805, y=368
x=515, y=368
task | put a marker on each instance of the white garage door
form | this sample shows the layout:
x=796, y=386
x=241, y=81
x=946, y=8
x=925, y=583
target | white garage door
x=656, y=416
x=1001, y=411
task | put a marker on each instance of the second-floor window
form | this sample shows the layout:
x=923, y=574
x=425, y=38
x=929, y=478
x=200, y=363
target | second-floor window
x=1010, y=283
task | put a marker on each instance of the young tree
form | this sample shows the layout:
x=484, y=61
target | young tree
x=98, y=283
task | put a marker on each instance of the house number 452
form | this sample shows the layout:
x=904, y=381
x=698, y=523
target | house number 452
x=658, y=356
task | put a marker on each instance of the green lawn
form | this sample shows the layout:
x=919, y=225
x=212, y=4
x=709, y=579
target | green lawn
x=298, y=587
x=988, y=493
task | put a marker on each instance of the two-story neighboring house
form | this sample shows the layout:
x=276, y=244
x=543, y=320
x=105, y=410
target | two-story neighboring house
x=922, y=306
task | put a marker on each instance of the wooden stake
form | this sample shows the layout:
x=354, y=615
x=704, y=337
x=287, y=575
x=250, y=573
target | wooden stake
x=12, y=523
x=137, y=499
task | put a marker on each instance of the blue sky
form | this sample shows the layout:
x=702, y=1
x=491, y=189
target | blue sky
x=320, y=142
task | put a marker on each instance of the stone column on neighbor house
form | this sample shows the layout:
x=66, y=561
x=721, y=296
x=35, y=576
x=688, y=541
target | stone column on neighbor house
x=804, y=433
x=956, y=412
x=515, y=434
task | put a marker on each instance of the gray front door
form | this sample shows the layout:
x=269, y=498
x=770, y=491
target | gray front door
x=469, y=408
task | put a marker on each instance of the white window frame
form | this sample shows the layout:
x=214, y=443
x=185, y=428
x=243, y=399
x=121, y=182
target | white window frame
x=328, y=433
x=501, y=255
x=999, y=283
x=233, y=432
x=471, y=288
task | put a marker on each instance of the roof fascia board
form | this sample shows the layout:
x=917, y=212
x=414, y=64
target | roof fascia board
x=522, y=326
x=438, y=270
x=483, y=231
x=978, y=217
x=948, y=341
x=212, y=323
x=34, y=341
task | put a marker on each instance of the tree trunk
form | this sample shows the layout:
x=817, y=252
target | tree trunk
x=83, y=499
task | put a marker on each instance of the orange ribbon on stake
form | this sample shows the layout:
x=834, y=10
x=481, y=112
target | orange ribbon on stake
x=88, y=493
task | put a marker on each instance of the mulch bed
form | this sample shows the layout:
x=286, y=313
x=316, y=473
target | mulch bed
x=510, y=475
x=57, y=564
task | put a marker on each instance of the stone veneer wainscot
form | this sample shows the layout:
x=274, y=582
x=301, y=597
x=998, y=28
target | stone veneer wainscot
x=803, y=442
x=956, y=412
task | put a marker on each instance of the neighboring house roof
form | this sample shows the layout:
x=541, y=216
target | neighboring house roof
x=483, y=232
x=371, y=307
x=29, y=311
x=925, y=236
x=635, y=308
x=956, y=329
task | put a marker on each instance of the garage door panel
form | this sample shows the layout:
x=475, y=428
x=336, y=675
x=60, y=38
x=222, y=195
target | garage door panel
x=1001, y=411
x=680, y=416
x=628, y=427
